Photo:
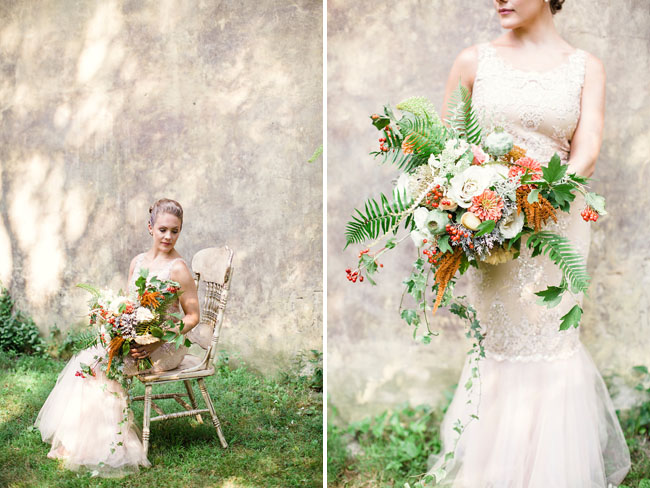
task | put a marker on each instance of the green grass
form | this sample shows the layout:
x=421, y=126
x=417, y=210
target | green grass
x=392, y=448
x=274, y=428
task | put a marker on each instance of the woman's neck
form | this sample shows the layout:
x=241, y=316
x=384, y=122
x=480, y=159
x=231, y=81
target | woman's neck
x=538, y=32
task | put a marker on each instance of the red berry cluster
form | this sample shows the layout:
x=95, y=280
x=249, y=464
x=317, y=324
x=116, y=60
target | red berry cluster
x=353, y=275
x=79, y=373
x=433, y=255
x=433, y=197
x=129, y=308
x=172, y=289
x=589, y=214
x=458, y=233
x=382, y=140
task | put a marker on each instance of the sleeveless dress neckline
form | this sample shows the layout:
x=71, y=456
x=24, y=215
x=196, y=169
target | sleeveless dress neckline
x=508, y=64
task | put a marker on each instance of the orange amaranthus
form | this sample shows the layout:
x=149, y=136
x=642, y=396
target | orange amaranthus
x=151, y=298
x=449, y=264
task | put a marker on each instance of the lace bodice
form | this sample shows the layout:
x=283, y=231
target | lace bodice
x=166, y=357
x=541, y=111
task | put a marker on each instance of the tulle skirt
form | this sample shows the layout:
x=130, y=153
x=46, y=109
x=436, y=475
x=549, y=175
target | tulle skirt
x=541, y=424
x=89, y=424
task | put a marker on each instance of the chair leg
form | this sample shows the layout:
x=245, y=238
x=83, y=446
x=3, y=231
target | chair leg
x=213, y=414
x=190, y=393
x=147, y=416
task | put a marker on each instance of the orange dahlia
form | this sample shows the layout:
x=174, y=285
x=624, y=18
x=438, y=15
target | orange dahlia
x=525, y=164
x=487, y=206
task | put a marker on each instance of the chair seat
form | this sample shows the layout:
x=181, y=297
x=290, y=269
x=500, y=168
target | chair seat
x=178, y=373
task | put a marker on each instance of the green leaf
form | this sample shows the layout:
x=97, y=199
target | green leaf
x=380, y=122
x=122, y=308
x=571, y=318
x=485, y=228
x=316, y=155
x=410, y=316
x=443, y=244
x=596, y=202
x=533, y=196
x=390, y=243
x=157, y=332
x=90, y=289
x=563, y=194
x=551, y=297
x=555, y=170
x=126, y=347
x=641, y=369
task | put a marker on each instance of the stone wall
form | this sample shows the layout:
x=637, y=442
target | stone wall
x=385, y=52
x=106, y=106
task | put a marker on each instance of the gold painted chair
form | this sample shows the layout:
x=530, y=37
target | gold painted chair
x=213, y=268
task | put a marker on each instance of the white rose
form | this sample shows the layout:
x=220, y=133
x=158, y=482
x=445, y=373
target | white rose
x=143, y=314
x=470, y=183
x=511, y=226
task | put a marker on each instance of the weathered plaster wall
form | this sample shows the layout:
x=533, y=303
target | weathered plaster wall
x=386, y=52
x=106, y=106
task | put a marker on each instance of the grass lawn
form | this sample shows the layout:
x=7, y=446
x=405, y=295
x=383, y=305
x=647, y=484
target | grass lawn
x=392, y=448
x=274, y=428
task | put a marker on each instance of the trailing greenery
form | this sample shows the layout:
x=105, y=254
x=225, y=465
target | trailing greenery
x=18, y=332
x=378, y=218
x=462, y=118
x=273, y=426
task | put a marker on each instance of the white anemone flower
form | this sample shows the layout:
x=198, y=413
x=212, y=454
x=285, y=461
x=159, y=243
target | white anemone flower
x=470, y=183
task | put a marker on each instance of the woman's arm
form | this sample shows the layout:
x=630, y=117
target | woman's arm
x=189, y=297
x=464, y=71
x=588, y=135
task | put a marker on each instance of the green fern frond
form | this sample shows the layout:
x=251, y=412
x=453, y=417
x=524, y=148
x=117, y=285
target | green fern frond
x=405, y=162
x=377, y=219
x=562, y=253
x=420, y=107
x=90, y=289
x=425, y=137
x=84, y=340
x=462, y=118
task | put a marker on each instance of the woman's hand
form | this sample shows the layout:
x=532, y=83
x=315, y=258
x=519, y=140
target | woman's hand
x=139, y=351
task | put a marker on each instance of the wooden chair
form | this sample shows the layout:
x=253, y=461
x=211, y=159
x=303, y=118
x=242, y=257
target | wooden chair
x=215, y=265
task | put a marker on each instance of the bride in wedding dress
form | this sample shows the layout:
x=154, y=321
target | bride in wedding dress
x=84, y=417
x=545, y=419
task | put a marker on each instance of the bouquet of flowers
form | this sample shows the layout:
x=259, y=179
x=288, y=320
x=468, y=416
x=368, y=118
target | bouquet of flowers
x=466, y=197
x=118, y=320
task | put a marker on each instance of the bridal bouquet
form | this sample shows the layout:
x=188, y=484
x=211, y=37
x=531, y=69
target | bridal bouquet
x=466, y=197
x=140, y=318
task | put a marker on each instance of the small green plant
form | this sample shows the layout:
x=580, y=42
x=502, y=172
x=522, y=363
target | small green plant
x=65, y=345
x=307, y=370
x=18, y=332
x=636, y=421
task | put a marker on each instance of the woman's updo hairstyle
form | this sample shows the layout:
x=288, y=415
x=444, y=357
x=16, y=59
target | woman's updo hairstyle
x=556, y=5
x=165, y=205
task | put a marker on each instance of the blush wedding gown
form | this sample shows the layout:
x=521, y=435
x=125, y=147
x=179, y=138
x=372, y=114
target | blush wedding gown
x=87, y=420
x=545, y=417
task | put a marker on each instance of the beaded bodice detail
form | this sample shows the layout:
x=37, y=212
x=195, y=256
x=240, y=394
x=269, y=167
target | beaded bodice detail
x=541, y=111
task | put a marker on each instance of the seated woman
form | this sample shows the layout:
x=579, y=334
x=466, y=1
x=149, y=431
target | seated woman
x=87, y=419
